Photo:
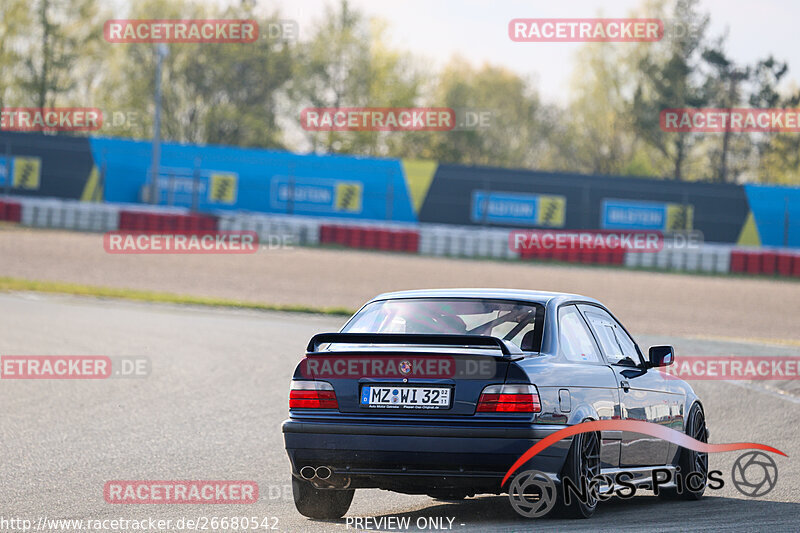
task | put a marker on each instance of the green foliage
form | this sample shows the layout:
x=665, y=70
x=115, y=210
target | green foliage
x=45, y=46
x=511, y=135
x=778, y=154
x=14, y=20
x=669, y=78
x=219, y=93
x=347, y=63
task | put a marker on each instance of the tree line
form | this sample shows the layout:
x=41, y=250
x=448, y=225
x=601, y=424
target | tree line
x=53, y=53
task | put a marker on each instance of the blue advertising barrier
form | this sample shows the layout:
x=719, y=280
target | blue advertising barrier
x=230, y=178
x=776, y=211
x=214, y=178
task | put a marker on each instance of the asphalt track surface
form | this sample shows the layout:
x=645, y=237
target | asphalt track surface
x=213, y=405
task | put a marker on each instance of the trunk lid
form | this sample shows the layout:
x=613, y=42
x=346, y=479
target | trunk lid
x=401, y=374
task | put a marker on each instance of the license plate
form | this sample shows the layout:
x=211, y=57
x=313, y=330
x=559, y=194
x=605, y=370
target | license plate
x=405, y=397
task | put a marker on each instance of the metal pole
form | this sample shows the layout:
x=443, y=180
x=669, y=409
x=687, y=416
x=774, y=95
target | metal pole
x=101, y=186
x=290, y=198
x=161, y=53
x=389, y=196
x=488, y=200
x=196, y=185
x=7, y=183
x=685, y=208
x=171, y=189
x=587, y=206
x=786, y=221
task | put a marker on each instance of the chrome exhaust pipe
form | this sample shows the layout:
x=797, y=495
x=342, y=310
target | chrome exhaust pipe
x=323, y=472
x=308, y=473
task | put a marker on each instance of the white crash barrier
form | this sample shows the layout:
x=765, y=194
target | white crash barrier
x=68, y=214
x=296, y=230
x=719, y=258
x=457, y=245
x=692, y=260
x=633, y=260
x=455, y=241
x=430, y=241
x=706, y=257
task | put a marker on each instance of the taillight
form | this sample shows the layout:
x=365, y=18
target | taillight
x=509, y=399
x=312, y=395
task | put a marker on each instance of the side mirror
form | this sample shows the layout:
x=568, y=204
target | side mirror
x=661, y=356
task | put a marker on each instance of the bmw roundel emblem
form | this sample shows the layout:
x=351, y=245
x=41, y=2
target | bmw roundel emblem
x=405, y=367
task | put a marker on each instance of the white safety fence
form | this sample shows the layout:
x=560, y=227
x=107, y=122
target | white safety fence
x=67, y=214
x=273, y=229
x=714, y=258
x=459, y=241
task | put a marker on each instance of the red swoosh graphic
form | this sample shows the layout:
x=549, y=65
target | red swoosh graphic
x=635, y=426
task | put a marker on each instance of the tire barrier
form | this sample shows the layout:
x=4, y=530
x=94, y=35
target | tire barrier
x=273, y=230
x=130, y=220
x=67, y=214
x=425, y=239
x=711, y=258
x=590, y=256
x=370, y=237
x=459, y=241
x=765, y=262
x=10, y=211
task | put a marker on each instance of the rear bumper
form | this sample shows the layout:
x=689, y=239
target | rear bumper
x=419, y=458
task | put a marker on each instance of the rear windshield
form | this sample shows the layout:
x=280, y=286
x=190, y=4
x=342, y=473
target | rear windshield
x=519, y=323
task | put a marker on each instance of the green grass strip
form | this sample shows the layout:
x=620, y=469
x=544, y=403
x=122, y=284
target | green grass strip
x=16, y=284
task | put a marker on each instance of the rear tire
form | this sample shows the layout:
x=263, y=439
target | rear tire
x=690, y=460
x=325, y=504
x=583, y=460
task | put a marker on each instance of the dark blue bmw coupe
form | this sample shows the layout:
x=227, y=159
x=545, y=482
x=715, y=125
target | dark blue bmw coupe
x=439, y=392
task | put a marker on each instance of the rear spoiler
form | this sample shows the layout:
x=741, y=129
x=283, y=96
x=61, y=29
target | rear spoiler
x=508, y=349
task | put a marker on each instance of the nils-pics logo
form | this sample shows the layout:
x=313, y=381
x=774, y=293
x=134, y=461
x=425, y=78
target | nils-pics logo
x=533, y=493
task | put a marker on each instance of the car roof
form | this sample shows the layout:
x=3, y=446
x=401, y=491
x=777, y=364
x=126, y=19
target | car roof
x=539, y=297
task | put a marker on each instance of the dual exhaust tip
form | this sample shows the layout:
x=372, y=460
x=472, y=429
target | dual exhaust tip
x=320, y=472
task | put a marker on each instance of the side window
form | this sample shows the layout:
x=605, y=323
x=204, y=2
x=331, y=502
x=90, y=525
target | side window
x=617, y=345
x=575, y=341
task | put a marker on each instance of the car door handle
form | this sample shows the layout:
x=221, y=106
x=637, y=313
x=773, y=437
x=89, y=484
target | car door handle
x=624, y=385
